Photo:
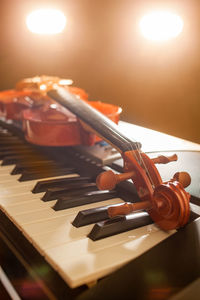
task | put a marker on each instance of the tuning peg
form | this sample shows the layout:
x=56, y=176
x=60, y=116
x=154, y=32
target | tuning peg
x=127, y=208
x=182, y=177
x=168, y=207
x=162, y=159
x=108, y=180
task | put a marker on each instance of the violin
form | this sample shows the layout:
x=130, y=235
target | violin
x=44, y=121
x=13, y=102
x=31, y=93
x=42, y=83
x=54, y=125
x=166, y=202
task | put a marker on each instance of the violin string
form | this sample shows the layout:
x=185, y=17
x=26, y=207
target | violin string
x=141, y=160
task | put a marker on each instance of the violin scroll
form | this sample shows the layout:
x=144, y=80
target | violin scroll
x=167, y=203
x=170, y=206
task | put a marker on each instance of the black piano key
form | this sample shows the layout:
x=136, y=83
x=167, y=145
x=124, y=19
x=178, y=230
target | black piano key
x=6, y=142
x=87, y=198
x=42, y=186
x=32, y=166
x=15, y=149
x=28, y=175
x=41, y=169
x=119, y=224
x=5, y=155
x=71, y=190
x=14, y=159
x=93, y=215
x=118, y=165
x=127, y=191
x=195, y=200
x=5, y=133
x=9, y=138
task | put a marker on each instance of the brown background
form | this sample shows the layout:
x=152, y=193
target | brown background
x=101, y=49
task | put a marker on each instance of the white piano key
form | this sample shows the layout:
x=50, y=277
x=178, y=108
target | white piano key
x=21, y=188
x=59, y=231
x=86, y=245
x=56, y=230
x=6, y=169
x=80, y=269
x=37, y=210
x=53, y=221
x=11, y=182
x=16, y=199
x=29, y=207
x=30, y=217
x=47, y=225
x=47, y=213
x=65, y=235
x=15, y=190
x=7, y=177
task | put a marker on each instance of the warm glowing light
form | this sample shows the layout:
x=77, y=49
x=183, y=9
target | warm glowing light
x=161, y=25
x=43, y=87
x=65, y=81
x=46, y=21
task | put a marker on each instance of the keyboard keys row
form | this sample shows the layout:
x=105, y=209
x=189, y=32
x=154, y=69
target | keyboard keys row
x=42, y=186
x=62, y=213
x=65, y=190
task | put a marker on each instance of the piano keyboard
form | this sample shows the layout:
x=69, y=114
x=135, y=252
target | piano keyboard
x=62, y=214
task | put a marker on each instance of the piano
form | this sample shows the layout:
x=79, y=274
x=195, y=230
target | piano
x=56, y=241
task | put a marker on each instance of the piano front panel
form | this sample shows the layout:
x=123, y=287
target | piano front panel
x=68, y=250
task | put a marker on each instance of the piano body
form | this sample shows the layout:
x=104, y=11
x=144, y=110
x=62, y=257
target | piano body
x=56, y=241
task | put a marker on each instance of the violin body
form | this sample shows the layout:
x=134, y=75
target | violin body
x=46, y=122
x=53, y=125
x=13, y=102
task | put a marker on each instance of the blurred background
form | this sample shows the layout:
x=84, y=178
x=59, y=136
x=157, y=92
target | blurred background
x=102, y=49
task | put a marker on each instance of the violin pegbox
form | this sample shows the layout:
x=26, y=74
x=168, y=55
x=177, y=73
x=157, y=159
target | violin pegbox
x=166, y=202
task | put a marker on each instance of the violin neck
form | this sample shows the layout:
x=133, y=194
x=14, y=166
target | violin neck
x=98, y=123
